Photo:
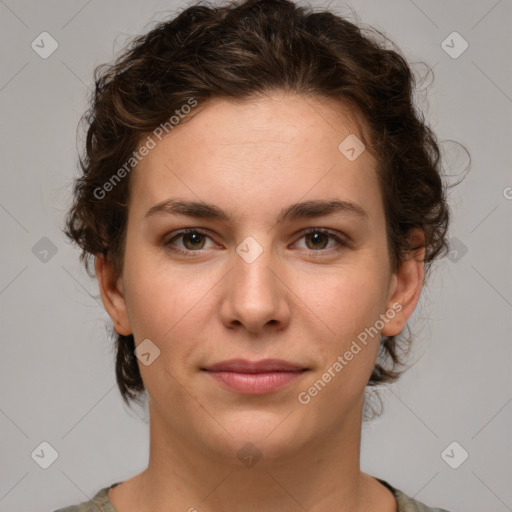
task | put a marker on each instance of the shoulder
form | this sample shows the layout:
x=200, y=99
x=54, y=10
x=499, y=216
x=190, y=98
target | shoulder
x=99, y=503
x=407, y=504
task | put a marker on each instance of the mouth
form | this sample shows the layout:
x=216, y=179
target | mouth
x=255, y=378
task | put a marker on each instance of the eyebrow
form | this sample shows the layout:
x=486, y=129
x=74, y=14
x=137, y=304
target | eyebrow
x=306, y=209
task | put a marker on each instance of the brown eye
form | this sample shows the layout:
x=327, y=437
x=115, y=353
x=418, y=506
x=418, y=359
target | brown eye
x=188, y=241
x=318, y=240
x=193, y=240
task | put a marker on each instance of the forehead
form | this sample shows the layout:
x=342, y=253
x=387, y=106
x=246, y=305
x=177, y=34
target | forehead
x=281, y=146
x=278, y=116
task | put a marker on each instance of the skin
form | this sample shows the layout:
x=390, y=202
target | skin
x=301, y=300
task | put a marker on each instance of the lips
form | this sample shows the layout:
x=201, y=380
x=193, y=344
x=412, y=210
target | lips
x=255, y=377
x=263, y=366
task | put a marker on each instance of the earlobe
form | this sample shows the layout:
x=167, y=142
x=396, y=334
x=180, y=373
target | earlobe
x=112, y=294
x=407, y=286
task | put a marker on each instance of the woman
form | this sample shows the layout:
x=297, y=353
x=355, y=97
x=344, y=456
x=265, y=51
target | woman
x=262, y=202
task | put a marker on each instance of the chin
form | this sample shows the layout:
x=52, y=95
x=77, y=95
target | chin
x=256, y=437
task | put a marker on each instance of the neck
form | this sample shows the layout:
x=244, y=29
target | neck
x=321, y=475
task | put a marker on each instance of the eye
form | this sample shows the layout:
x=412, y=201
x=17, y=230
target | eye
x=318, y=240
x=192, y=240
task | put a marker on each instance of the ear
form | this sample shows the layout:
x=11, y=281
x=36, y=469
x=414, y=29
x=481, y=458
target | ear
x=406, y=285
x=112, y=294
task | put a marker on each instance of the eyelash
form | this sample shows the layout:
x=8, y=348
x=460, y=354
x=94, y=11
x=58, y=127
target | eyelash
x=342, y=244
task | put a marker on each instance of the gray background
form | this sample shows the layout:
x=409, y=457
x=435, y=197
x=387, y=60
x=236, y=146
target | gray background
x=57, y=370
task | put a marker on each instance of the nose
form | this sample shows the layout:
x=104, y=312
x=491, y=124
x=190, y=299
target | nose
x=255, y=295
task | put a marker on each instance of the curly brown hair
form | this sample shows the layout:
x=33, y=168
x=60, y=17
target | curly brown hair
x=247, y=48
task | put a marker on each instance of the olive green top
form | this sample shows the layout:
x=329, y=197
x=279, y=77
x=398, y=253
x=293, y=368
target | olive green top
x=101, y=503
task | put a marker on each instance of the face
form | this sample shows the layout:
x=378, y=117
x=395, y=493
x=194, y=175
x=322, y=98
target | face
x=256, y=278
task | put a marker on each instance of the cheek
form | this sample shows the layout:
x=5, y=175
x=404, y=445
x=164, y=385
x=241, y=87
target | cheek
x=349, y=298
x=352, y=305
x=165, y=302
x=164, y=309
